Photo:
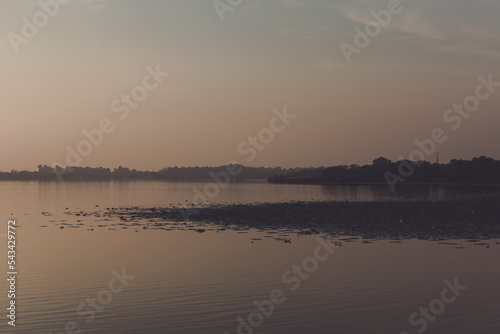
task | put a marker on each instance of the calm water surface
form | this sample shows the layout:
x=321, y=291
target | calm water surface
x=186, y=282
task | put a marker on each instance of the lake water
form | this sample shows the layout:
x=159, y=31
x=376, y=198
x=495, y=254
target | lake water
x=188, y=283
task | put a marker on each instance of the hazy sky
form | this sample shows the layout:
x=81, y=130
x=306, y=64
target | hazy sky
x=226, y=77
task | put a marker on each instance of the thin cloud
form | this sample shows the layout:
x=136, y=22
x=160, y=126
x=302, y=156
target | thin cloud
x=441, y=27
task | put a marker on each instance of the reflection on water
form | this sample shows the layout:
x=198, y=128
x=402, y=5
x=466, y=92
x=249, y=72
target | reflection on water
x=410, y=192
x=189, y=283
x=160, y=193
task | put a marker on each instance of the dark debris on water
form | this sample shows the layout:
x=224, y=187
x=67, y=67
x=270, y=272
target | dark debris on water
x=430, y=220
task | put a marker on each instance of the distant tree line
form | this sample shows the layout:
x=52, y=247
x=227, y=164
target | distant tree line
x=482, y=170
x=45, y=172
